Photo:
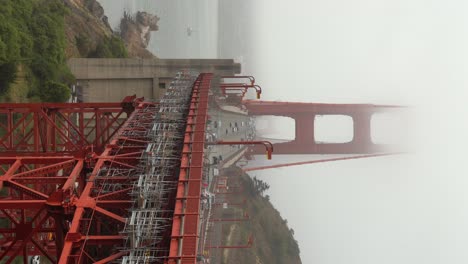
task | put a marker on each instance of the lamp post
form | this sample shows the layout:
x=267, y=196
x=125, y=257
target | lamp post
x=251, y=78
x=241, y=86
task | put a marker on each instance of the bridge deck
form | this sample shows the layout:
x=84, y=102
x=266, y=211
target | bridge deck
x=132, y=177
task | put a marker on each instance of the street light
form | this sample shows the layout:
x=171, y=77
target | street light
x=251, y=78
x=241, y=86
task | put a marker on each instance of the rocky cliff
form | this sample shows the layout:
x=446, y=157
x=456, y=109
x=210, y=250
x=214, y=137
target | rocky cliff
x=136, y=32
x=88, y=33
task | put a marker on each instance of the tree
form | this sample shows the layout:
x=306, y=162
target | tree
x=112, y=47
x=260, y=186
x=32, y=36
x=7, y=76
x=55, y=92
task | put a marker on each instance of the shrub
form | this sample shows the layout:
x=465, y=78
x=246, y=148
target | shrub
x=110, y=47
x=54, y=92
x=7, y=76
x=32, y=35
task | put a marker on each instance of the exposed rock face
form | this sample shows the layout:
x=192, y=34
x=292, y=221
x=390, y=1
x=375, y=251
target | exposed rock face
x=146, y=23
x=84, y=21
x=86, y=26
x=149, y=20
x=97, y=10
x=136, y=32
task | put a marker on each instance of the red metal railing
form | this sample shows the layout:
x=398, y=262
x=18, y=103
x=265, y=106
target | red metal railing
x=185, y=228
x=60, y=128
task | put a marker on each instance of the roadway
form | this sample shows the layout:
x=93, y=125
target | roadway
x=222, y=126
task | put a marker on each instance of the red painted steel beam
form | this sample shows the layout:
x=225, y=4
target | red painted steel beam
x=21, y=204
x=317, y=161
x=105, y=209
x=30, y=182
x=45, y=159
x=46, y=152
x=111, y=258
x=274, y=107
x=184, y=235
x=75, y=106
x=39, y=128
x=268, y=145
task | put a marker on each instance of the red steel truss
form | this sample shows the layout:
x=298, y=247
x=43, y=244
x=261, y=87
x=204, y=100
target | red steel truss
x=94, y=233
x=55, y=178
x=60, y=128
x=185, y=228
x=68, y=172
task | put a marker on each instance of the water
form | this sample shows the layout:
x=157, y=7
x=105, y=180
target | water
x=236, y=38
x=172, y=39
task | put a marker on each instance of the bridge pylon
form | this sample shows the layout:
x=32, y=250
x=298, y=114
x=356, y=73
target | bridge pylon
x=304, y=116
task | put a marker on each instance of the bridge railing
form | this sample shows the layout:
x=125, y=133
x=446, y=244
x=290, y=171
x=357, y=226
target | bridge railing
x=185, y=227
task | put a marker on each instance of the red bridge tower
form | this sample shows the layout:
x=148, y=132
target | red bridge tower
x=304, y=115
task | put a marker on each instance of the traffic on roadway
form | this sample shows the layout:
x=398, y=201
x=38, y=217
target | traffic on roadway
x=222, y=125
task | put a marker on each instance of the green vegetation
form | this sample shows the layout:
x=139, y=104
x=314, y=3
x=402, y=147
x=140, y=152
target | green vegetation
x=32, y=49
x=110, y=47
x=260, y=186
x=55, y=92
x=273, y=240
x=32, y=40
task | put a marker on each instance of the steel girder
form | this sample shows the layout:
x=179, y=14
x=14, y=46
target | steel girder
x=185, y=227
x=60, y=128
x=68, y=171
x=56, y=188
x=98, y=219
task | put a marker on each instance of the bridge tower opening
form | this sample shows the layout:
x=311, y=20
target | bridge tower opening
x=275, y=129
x=333, y=129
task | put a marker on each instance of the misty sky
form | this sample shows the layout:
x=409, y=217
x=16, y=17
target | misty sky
x=402, y=209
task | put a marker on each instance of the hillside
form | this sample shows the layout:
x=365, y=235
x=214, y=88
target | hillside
x=32, y=57
x=87, y=32
x=38, y=36
x=89, y=35
x=273, y=240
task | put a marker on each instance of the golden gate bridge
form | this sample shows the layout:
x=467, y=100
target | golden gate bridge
x=127, y=182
